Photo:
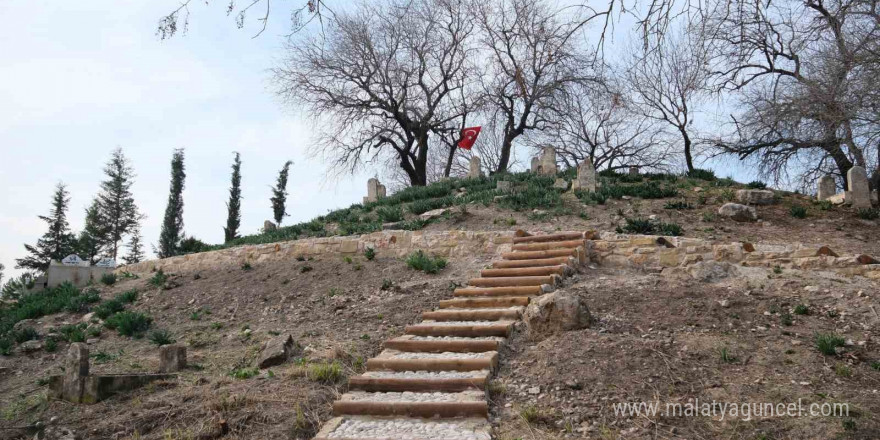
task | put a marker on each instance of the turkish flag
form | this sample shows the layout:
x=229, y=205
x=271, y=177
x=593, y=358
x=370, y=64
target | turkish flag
x=468, y=137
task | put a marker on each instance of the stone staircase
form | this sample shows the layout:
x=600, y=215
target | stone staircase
x=431, y=382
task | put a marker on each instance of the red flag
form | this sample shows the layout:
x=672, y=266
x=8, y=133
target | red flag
x=468, y=137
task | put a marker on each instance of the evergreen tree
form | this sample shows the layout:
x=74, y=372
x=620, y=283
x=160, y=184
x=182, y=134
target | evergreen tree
x=91, y=242
x=233, y=206
x=172, y=224
x=58, y=242
x=135, y=248
x=279, y=194
x=1, y=273
x=116, y=206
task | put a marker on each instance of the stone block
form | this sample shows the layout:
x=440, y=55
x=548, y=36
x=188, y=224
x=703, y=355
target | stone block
x=670, y=258
x=561, y=183
x=474, y=167
x=755, y=197
x=172, y=358
x=276, y=351
x=728, y=252
x=738, y=213
x=76, y=368
x=586, y=176
x=826, y=188
x=858, y=188
x=348, y=246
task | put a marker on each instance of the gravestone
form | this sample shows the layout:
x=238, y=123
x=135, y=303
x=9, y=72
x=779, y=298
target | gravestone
x=826, y=188
x=172, y=358
x=373, y=190
x=586, y=178
x=548, y=161
x=858, y=189
x=474, y=170
x=634, y=171
x=106, y=263
x=380, y=191
x=536, y=165
x=72, y=260
x=76, y=369
x=268, y=226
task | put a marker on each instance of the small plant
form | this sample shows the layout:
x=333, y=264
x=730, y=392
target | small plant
x=326, y=373
x=244, y=373
x=727, y=195
x=726, y=356
x=131, y=324
x=5, y=346
x=246, y=266
x=333, y=292
x=358, y=266
x=108, y=279
x=102, y=357
x=825, y=205
x=25, y=334
x=158, y=279
x=708, y=217
x=107, y=308
x=833, y=313
x=370, y=254
x=777, y=270
x=798, y=211
x=305, y=269
x=51, y=345
x=216, y=325
x=869, y=213
x=848, y=424
x=161, y=337
x=801, y=309
x=875, y=365
x=389, y=214
x=300, y=258
x=756, y=184
x=128, y=297
x=196, y=315
x=418, y=260
x=347, y=259
x=786, y=319
x=73, y=332
x=387, y=284
x=827, y=343
x=843, y=370
x=93, y=332
x=365, y=337
x=697, y=173
x=678, y=205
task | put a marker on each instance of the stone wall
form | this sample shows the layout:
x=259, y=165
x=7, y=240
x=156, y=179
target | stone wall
x=386, y=243
x=650, y=251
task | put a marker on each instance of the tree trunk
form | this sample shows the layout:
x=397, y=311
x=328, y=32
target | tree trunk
x=504, y=160
x=689, y=160
x=449, y=160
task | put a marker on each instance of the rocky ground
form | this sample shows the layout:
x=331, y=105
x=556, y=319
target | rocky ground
x=729, y=335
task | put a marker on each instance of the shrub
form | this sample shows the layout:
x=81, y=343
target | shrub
x=73, y=332
x=161, y=337
x=192, y=245
x=389, y=214
x=80, y=303
x=418, y=260
x=15, y=288
x=46, y=302
x=326, y=373
x=421, y=206
x=756, y=184
x=305, y=269
x=108, y=279
x=370, y=254
x=51, y=345
x=727, y=195
x=726, y=356
x=827, y=343
x=246, y=266
x=128, y=296
x=708, y=217
x=875, y=365
x=786, y=319
x=801, y=309
x=825, y=205
x=386, y=284
x=534, y=197
x=678, y=205
x=869, y=213
x=5, y=346
x=798, y=211
x=109, y=307
x=648, y=227
x=701, y=174
x=414, y=224
x=244, y=373
x=130, y=324
x=25, y=334
x=158, y=279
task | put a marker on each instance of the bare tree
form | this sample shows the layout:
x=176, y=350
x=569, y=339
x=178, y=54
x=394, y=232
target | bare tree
x=382, y=81
x=599, y=124
x=533, y=56
x=804, y=74
x=668, y=82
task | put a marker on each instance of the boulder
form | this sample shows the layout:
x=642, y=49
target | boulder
x=434, y=213
x=837, y=199
x=739, y=213
x=277, y=351
x=504, y=186
x=755, y=197
x=269, y=226
x=556, y=312
x=711, y=271
x=561, y=183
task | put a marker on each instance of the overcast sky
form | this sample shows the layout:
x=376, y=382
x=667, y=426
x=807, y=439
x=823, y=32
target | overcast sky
x=79, y=79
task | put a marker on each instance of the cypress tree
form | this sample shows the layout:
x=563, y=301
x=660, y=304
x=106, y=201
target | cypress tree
x=91, y=240
x=58, y=242
x=135, y=248
x=279, y=194
x=116, y=206
x=172, y=224
x=233, y=206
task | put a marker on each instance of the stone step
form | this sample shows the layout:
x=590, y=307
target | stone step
x=548, y=245
x=469, y=403
x=428, y=344
x=401, y=428
x=502, y=291
x=420, y=381
x=395, y=360
x=468, y=329
x=551, y=280
x=477, y=303
x=509, y=264
x=534, y=255
x=561, y=236
x=495, y=314
x=560, y=270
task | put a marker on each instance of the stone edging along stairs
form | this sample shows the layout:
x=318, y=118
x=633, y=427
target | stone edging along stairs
x=431, y=382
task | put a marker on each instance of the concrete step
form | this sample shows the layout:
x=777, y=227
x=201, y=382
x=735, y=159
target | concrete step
x=402, y=428
x=560, y=269
x=502, y=291
x=551, y=280
x=534, y=255
x=395, y=360
x=469, y=403
x=420, y=381
x=496, y=314
x=548, y=245
x=477, y=303
x=468, y=329
x=429, y=344
x=561, y=236
x=509, y=264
